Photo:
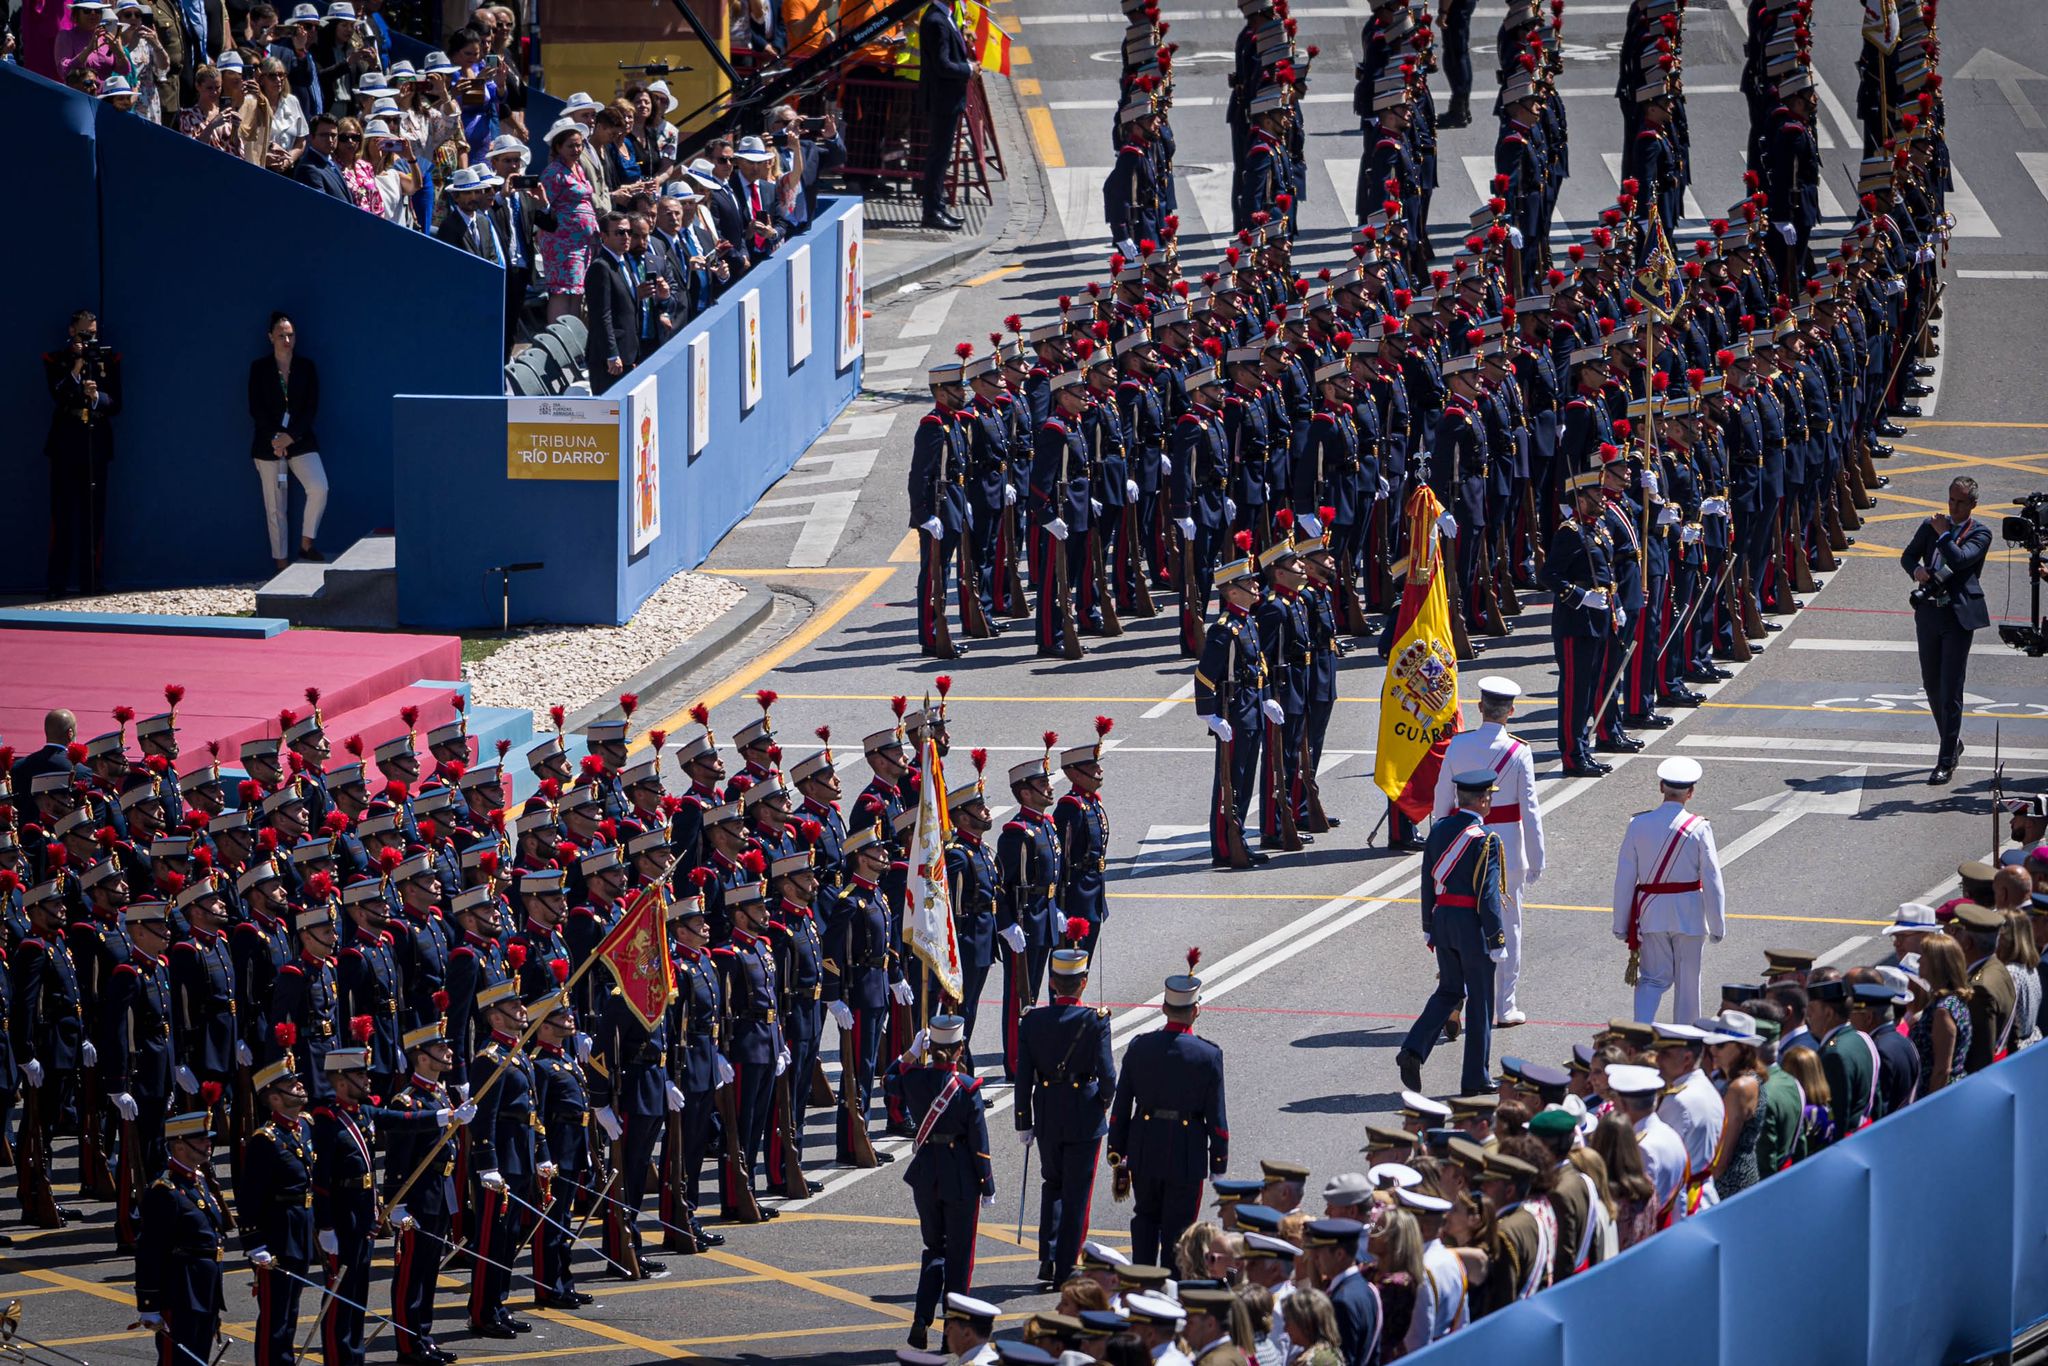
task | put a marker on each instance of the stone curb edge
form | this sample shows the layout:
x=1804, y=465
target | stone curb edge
x=704, y=647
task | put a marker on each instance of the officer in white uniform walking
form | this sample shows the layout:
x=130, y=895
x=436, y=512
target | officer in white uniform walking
x=1515, y=816
x=1667, y=896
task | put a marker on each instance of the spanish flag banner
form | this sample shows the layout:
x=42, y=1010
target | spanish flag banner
x=636, y=952
x=1419, y=697
x=991, y=44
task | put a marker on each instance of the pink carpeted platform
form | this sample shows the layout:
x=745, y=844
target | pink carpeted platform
x=234, y=688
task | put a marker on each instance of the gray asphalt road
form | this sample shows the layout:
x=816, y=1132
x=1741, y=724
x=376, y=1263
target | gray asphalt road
x=1314, y=963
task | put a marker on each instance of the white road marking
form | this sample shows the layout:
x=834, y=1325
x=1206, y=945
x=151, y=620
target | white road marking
x=928, y=317
x=1077, y=197
x=2035, y=164
x=896, y=358
x=830, y=467
x=1991, y=275
x=1343, y=173
x=1692, y=208
x=1901, y=647
x=1171, y=843
x=1158, y=709
x=1897, y=748
x=1843, y=949
x=1971, y=220
x=865, y=427
x=1841, y=795
x=822, y=525
x=1211, y=188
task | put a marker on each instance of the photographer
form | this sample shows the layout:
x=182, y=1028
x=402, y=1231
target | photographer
x=1945, y=557
x=799, y=161
x=85, y=384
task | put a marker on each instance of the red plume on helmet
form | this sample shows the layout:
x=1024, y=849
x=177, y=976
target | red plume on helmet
x=388, y=860
x=335, y=821
x=1194, y=957
x=899, y=704
x=1623, y=427
x=361, y=1027
x=1075, y=930
x=515, y=954
x=174, y=693
x=629, y=702
x=1284, y=519
x=657, y=737
x=441, y=1000
x=812, y=831
x=266, y=840
x=286, y=1033
x=287, y=718
x=754, y=861
x=354, y=745
x=557, y=714
x=124, y=714
x=701, y=878
x=1243, y=541
x=320, y=887
x=559, y=969
x=209, y=1094
x=700, y=714
x=75, y=752
x=964, y=350
x=979, y=758
x=592, y=766
x=1051, y=738
x=1104, y=725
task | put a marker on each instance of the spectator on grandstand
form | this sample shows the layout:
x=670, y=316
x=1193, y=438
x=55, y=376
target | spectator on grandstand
x=665, y=134
x=116, y=91
x=662, y=313
x=467, y=224
x=379, y=32
x=149, y=62
x=714, y=170
x=569, y=227
x=341, y=54
x=391, y=163
x=260, y=26
x=284, y=400
x=685, y=228
x=799, y=161
x=644, y=134
x=613, y=300
x=2022, y=959
x=501, y=40
x=757, y=26
x=240, y=96
x=207, y=119
x=1818, y=1129
x=92, y=44
x=358, y=174
x=292, y=45
x=478, y=89
x=288, y=126
x=316, y=168
x=1628, y=1179
x=759, y=191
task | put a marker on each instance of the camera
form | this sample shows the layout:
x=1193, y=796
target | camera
x=2028, y=528
x=524, y=182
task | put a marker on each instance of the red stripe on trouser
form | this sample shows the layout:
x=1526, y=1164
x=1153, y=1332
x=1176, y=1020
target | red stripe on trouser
x=1088, y=1201
x=1013, y=995
x=540, y=1255
x=330, y=1331
x=1640, y=630
x=401, y=1312
x=926, y=631
x=1567, y=718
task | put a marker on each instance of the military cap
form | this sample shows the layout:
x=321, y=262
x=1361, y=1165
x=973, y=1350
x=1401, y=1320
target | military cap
x=1231, y=1189
x=1552, y=1122
x=771, y=786
x=1378, y=1136
x=100, y=870
x=868, y=836
x=425, y=1036
x=1216, y=1303
x=540, y=881
x=1395, y=1175
x=280, y=1069
x=483, y=775
x=255, y=875
x=288, y=795
x=198, y=889
x=1261, y=1217
x=1789, y=960
x=100, y=746
x=1630, y=1079
x=1153, y=1308
x=319, y=918
x=1347, y=1188
x=687, y=908
x=1342, y=1233
x=947, y=1030
x=346, y=1060
x=1678, y=1036
x=1501, y=1166
x=1632, y=1032
x=1266, y=1245
x=146, y=910
x=362, y=891
x=1465, y=1153
x=1981, y=919
x=507, y=990
x=910, y=1356
x=1835, y=991
x=979, y=1315
x=1415, y=1105
x=1183, y=990
x=472, y=898
x=1103, y=1323
x=190, y=1126
x=1422, y=1201
x=722, y=813
x=1096, y=1254
x=549, y=747
x=1546, y=1080
x=647, y=770
x=1582, y=1058
x=312, y=849
x=1137, y=1276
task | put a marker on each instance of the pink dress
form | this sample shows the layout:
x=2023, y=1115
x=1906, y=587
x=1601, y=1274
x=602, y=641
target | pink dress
x=565, y=252
x=361, y=180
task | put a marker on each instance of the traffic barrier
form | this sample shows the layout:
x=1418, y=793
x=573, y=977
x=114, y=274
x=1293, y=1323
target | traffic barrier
x=604, y=499
x=1923, y=1238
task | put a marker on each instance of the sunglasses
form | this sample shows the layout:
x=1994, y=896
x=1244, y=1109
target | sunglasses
x=351, y=137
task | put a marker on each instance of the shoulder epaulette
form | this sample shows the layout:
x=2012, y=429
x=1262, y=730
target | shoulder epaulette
x=933, y=418
x=293, y=968
x=1016, y=825
x=120, y=968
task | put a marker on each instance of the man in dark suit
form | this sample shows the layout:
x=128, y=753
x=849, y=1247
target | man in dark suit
x=611, y=300
x=1169, y=1130
x=661, y=313
x=511, y=211
x=316, y=168
x=1945, y=557
x=729, y=204
x=467, y=225
x=60, y=728
x=944, y=69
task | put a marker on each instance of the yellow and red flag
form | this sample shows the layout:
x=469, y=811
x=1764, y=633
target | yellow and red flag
x=636, y=952
x=991, y=44
x=1419, y=697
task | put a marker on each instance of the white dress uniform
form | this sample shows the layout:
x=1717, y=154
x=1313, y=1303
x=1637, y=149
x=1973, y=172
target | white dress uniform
x=1664, y=1162
x=1694, y=1110
x=1668, y=864
x=1516, y=817
x=1446, y=1309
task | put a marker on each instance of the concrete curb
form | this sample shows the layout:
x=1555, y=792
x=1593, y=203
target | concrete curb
x=1016, y=139
x=705, y=647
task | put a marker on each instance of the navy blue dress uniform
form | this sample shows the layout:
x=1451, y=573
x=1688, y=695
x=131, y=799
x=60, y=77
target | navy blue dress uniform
x=949, y=1173
x=134, y=1043
x=1082, y=823
x=47, y=1026
x=860, y=965
x=939, y=467
x=259, y=946
x=1200, y=484
x=203, y=1005
x=991, y=490
x=1031, y=869
x=274, y=1189
x=1464, y=879
x=974, y=886
x=422, y=941
x=345, y=1202
x=1281, y=617
x=429, y=1210
x=1066, y=1076
x=308, y=995
x=1131, y=195
x=1354, y=1303
x=628, y=1084
x=696, y=1017
x=1230, y=688
x=798, y=944
x=1946, y=615
x=183, y=1235
x=563, y=1105
x=1061, y=504
x=505, y=1150
x=476, y=963
x=1169, y=1128
x=1622, y=518
x=366, y=973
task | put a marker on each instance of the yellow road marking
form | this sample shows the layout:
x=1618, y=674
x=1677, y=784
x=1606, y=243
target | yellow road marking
x=906, y=549
x=1315, y=898
x=1027, y=86
x=1043, y=133
x=2010, y=462
x=99, y=1292
x=1020, y=55
x=1917, y=423
x=992, y=276
x=799, y=1281
x=850, y=597
x=612, y=1332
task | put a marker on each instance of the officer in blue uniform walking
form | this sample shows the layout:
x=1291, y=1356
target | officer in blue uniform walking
x=1464, y=877
x=696, y=1018
x=1169, y=1130
x=1066, y=1076
x=422, y=1220
x=562, y=1103
x=949, y=1175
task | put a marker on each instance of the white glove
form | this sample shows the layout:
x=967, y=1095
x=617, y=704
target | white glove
x=33, y=1070
x=1218, y=727
x=721, y=1070
x=1530, y=876
x=842, y=1015
x=930, y=526
x=1057, y=528
x=1715, y=507
x=547, y=1169
x=782, y=1062
x=900, y=993
x=261, y=1257
x=1024, y=1137
x=1166, y=464
x=462, y=1090
x=187, y=1083
x=1229, y=510
x=1310, y=524
x=675, y=1099
x=465, y=1112
x=492, y=1180
x=1131, y=489
x=87, y=1054
x=1594, y=599
x=1650, y=481
x=1688, y=535
x=1186, y=525
x=1621, y=618
x=1385, y=488
x=920, y=1045
x=1498, y=955
x=1013, y=935
x=1515, y=238
x=1923, y=256
x=1095, y=506
x=1667, y=515
x=399, y=1218
x=331, y=1245
x=243, y=1056
x=988, y=1202
x=151, y=1320
x=1788, y=232
x=1448, y=525
x=1274, y=712
x=1009, y=495
x=608, y=1121
x=444, y=1116
x=124, y=1105
x=582, y=1047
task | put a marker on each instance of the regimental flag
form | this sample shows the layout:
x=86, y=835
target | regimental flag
x=927, y=900
x=1657, y=275
x=1419, y=697
x=636, y=952
x=991, y=45
x=1881, y=24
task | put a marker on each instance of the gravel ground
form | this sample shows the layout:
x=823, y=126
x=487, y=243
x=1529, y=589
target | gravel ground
x=571, y=665
x=171, y=602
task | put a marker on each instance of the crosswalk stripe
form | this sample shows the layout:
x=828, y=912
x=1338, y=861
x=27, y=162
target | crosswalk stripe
x=1343, y=173
x=1612, y=161
x=1077, y=197
x=2035, y=164
x=1971, y=220
x=1205, y=201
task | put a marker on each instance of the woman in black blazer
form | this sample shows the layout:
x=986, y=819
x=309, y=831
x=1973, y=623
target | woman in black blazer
x=284, y=399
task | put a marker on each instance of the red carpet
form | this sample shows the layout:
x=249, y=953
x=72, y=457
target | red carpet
x=234, y=688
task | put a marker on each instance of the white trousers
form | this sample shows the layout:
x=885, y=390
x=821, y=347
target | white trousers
x=1669, y=961
x=312, y=477
x=1510, y=972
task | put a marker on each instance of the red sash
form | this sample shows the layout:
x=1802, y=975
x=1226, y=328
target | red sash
x=938, y=1108
x=1511, y=814
x=1657, y=886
